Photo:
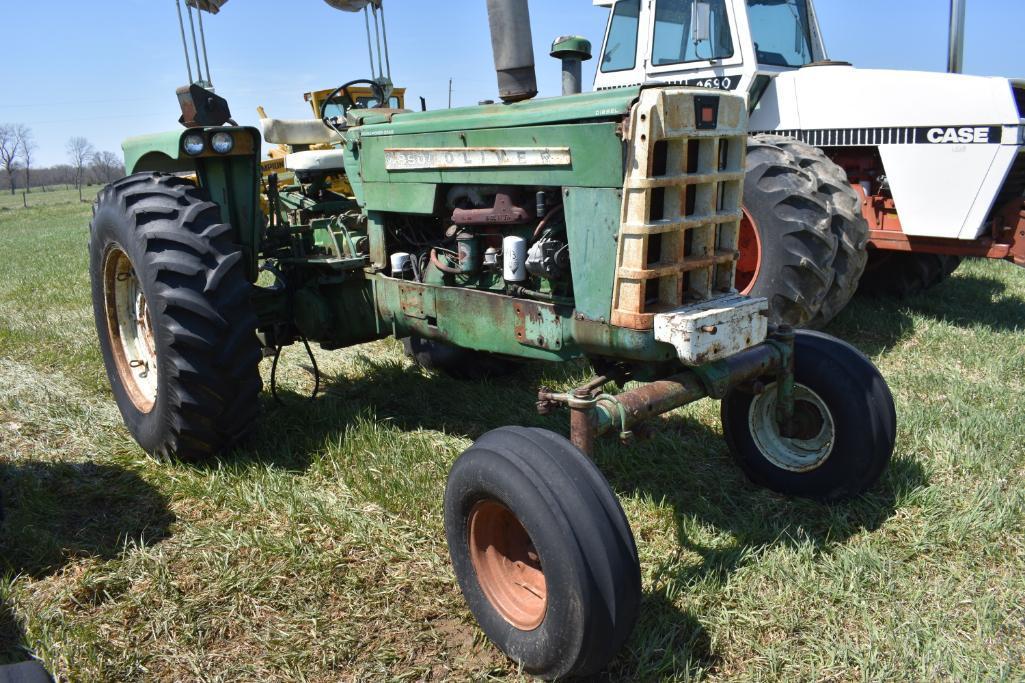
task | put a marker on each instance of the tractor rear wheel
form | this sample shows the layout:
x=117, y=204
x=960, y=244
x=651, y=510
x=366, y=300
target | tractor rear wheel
x=900, y=275
x=846, y=221
x=542, y=551
x=456, y=362
x=787, y=248
x=176, y=327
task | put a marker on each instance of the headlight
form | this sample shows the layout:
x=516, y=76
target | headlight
x=222, y=142
x=193, y=144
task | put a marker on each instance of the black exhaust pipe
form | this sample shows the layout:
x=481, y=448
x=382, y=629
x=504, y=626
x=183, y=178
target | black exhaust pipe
x=513, y=45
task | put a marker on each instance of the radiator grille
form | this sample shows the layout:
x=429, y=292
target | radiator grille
x=681, y=206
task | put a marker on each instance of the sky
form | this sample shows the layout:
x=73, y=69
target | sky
x=108, y=70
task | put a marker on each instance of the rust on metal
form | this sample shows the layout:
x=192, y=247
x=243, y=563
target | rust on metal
x=507, y=565
x=582, y=421
x=504, y=212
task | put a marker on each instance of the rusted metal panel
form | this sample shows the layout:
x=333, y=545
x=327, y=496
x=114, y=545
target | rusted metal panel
x=417, y=301
x=538, y=325
x=712, y=330
x=420, y=158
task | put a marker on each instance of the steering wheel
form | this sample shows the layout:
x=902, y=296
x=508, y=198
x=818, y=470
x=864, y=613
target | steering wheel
x=374, y=85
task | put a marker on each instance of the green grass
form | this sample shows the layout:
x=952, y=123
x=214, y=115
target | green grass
x=318, y=553
x=43, y=198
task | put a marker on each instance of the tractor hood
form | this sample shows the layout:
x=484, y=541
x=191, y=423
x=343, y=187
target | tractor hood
x=603, y=105
x=843, y=97
x=950, y=145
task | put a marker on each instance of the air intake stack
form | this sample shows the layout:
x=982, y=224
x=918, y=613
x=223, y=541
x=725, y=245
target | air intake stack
x=513, y=46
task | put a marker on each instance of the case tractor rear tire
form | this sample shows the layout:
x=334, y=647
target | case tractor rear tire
x=542, y=551
x=846, y=221
x=844, y=420
x=787, y=248
x=901, y=275
x=175, y=323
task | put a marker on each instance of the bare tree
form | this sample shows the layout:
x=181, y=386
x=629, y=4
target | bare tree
x=81, y=152
x=107, y=167
x=10, y=152
x=23, y=135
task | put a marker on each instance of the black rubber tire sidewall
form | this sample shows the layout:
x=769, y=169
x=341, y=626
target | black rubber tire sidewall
x=582, y=538
x=862, y=409
x=111, y=230
x=204, y=328
x=793, y=225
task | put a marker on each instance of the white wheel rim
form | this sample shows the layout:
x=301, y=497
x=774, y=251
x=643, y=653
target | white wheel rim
x=805, y=451
x=132, y=341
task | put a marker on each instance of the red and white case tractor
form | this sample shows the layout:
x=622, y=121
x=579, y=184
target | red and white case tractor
x=881, y=178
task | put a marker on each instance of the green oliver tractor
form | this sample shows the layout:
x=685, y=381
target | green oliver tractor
x=601, y=226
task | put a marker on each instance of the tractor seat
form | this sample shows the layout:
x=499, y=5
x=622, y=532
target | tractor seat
x=317, y=160
x=297, y=132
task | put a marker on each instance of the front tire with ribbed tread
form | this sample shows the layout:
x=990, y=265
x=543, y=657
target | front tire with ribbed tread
x=572, y=531
x=203, y=326
x=792, y=221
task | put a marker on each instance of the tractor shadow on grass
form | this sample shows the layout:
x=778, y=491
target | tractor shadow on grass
x=684, y=463
x=395, y=393
x=967, y=300
x=55, y=512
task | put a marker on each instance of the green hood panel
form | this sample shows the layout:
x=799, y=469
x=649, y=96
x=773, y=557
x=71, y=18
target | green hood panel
x=161, y=151
x=595, y=106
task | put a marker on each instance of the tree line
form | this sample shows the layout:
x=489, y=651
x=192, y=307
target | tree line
x=85, y=164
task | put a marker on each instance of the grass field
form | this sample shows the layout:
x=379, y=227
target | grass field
x=318, y=553
x=40, y=198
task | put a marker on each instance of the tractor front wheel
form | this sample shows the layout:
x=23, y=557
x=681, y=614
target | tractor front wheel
x=843, y=430
x=542, y=551
x=173, y=315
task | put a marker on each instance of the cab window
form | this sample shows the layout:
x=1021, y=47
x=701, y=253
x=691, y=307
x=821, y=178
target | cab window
x=621, y=44
x=782, y=32
x=691, y=31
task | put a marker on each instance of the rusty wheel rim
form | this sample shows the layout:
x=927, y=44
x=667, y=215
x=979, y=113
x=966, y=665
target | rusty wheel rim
x=507, y=564
x=132, y=341
x=750, y=261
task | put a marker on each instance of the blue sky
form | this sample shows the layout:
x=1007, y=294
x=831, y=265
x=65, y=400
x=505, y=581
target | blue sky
x=108, y=70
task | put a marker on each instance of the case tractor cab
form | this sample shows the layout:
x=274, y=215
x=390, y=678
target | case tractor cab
x=904, y=171
x=599, y=226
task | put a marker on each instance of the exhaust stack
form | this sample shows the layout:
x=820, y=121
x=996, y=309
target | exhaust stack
x=955, y=52
x=513, y=46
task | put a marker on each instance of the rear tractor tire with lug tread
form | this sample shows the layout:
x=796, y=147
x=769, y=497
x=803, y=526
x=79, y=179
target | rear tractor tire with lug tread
x=902, y=275
x=787, y=247
x=844, y=425
x=846, y=221
x=542, y=551
x=175, y=323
